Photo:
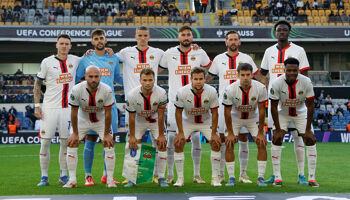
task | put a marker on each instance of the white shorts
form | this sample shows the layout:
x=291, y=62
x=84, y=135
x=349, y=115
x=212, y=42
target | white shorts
x=299, y=122
x=53, y=118
x=171, y=121
x=222, y=125
x=191, y=128
x=270, y=120
x=141, y=128
x=85, y=126
x=251, y=125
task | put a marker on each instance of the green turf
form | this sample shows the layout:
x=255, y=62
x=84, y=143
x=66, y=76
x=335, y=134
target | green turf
x=20, y=172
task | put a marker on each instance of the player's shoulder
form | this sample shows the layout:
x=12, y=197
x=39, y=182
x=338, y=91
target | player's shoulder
x=49, y=58
x=79, y=86
x=128, y=49
x=104, y=86
x=220, y=56
x=198, y=52
x=295, y=46
x=244, y=55
x=271, y=48
x=304, y=79
x=159, y=90
x=172, y=50
x=156, y=50
x=185, y=89
x=258, y=84
x=209, y=87
x=133, y=91
x=71, y=56
x=279, y=80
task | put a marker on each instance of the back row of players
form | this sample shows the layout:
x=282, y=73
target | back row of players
x=246, y=96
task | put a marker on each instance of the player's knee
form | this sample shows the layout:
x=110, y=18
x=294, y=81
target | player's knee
x=243, y=137
x=310, y=140
x=277, y=140
x=261, y=146
x=214, y=146
x=179, y=148
x=45, y=143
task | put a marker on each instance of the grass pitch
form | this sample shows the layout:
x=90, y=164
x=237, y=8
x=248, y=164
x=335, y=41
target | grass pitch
x=20, y=172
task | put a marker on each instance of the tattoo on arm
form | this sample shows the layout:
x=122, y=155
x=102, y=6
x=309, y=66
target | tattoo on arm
x=37, y=90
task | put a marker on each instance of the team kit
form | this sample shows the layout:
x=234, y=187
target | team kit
x=80, y=103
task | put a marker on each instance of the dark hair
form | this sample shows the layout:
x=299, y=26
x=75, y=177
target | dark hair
x=63, y=36
x=197, y=70
x=97, y=32
x=147, y=71
x=232, y=32
x=244, y=67
x=182, y=28
x=282, y=22
x=292, y=61
x=142, y=28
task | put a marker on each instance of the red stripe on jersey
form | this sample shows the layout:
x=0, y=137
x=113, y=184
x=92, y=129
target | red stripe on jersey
x=92, y=102
x=309, y=98
x=147, y=106
x=65, y=95
x=245, y=101
x=198, y=104
x=205, y=66
x=232, y=64
x=292, y=95
x=184, y=61
x=305, y=68
x=142, y=55
x=184, y=80
x=281, y=54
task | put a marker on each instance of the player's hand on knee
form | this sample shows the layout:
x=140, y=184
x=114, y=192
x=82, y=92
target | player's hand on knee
x=108, y=141
x=38, y=113
x=260, y=139
x=73, y=140
x=161, y=142
x=133, y=143
x=179, y=140
x=231, y=139
x=215, y=142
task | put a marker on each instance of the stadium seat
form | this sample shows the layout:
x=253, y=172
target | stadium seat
x=165, y=21
x=159, y=21
x=109, y=21
x=241, y=21
x=67, y=6
x=81, y=20
x=66, y=20
x=67, y=12
x=321, y=13
x=59, y=20
x=308, y=12
x=314, y=12
x=151, y=21
x=87, y=20
x=144, y=21
x=337, y=126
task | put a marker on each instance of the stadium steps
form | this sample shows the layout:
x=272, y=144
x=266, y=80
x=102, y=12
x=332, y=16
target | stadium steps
x=212, y=19
x=182, y=5
x=205, y=19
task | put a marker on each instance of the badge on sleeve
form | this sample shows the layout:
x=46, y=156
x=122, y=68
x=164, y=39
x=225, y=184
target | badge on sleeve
x=272, y=91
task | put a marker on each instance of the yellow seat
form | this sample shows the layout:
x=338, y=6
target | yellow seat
x=308, y=12
x=67, y=6
x=321, y=13
x=158, y=21
x=246, y=13
x=241, y=21
x=301, y=12
x=137, y=21
x=239, y=13
x=314, y=12
x=310, y=19
x=328, y=12
x=109, y=19
x=151, y=21
x=144, y=21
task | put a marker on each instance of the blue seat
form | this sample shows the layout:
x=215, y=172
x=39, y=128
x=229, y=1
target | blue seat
x=341, y=118
x=334, y=118
x=337, y=125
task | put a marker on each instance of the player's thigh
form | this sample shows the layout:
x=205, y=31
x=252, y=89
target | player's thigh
x=171, y=121
x=221, y=122
x=300, y=123
x=49, y=122
x=140, y=131
x=284, y=122
x=99, y=128
x=154, y=131
x=236, y=127
x=252, y=127
x=64, y=125
x=206, y=131
x=269, y=116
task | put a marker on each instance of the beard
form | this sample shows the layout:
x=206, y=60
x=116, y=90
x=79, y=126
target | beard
x=231, y=48
x=100, y=48
x=186, y=45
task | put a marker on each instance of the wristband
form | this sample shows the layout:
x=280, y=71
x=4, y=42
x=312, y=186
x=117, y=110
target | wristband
x=37, y=105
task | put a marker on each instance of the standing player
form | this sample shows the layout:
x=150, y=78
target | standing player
x=225, y=66
x=248, y=98
x=59, y=72
x=146, y=105
x=193, y=103
x=93, y=100
x=292, y=91
x=179, y=61
x=110, y=73
x=135, y=59
x=272, y=64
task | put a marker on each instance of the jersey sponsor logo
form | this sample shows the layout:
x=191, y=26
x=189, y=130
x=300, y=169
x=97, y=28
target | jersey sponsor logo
x=292, y=102
x=245, y=108
x=183, y=69
x=146, y=113
x=151, y=57
x=64, y=78
x=105, y=71
x=100, y=101
x=92, y=109
x=231, y=74
x=140, y=67
x=278, y=68
x=197, y=111
x=193, y=58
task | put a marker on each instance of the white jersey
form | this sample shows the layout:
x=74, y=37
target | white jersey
x=59, y=76
x=274, y=57
x=245, y=104
x=196, y=106
x=292, y=97
x=134, y=60
x=146, y=108
x=180, y=64
x=225, y=67
x=91, y=106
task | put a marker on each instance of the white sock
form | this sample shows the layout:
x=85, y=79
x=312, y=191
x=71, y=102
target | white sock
x=243, y=157
x=44, y=156
x=312, y=159
x=222, y=162
x=170, y=152
x=215, y=163
x=276, y=160
x=230, y=169
x=299, y=151
x=162, y=163
x=110, y=162
x=62, y=158
x=156, y=160
x=261, y=168
x=196, y=153
x=179, y=162
x=72, y=162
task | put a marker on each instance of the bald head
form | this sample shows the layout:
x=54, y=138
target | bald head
x=92, y=76
x=92, y=68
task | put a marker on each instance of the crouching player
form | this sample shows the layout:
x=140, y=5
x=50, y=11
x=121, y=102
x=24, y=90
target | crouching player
x=146, y=106
x=93, y=100
x=193, y=103
x=248, y=98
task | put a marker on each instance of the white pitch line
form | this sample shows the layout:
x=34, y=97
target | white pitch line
x=125, y=198
x=30, y=199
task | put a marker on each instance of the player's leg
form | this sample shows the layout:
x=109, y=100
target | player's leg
x=88, y=156
x=63, y=129
x=270, y=127
x=215, y=157
x=162, y=157
x=196, y=157
x=179, y=158
x=156, y=160
x=171, y=133
x=221, y=130
x=311, y=152
x=243, y=155
x=299, y=151
x=230, y=158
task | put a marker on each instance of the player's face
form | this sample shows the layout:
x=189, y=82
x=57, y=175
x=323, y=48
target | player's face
x=292, y=71
x=282, y=32
x=99, y=42
x=63, y=46
x=198, y=81
x=142, y=37
x=93, y=78
x=245, y=77
x=185, y=37
x=147, y=81
x=233, y=42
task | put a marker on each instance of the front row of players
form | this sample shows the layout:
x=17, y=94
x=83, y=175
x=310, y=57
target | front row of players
x=197, y=111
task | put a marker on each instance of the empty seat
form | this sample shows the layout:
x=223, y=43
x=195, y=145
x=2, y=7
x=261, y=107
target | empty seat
x=81, y=19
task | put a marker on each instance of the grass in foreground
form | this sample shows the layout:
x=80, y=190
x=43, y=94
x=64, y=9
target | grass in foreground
x=20, y=172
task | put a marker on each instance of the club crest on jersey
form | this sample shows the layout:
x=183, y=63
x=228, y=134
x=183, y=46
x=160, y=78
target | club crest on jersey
x=301, y=93
x=70, y=66
x=193, y=58
x=72, y=97
x=272, y=91
x=111, y=62
x=225, y=96
x=155, y=103
x=43, y=132
x=253, y=99
x=151, y=57
x=206, y=101
x=100, y=101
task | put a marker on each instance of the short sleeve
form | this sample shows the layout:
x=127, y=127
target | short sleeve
x=163, y=61
x=121, y=55
x=130, y=105
x=81, y=69
x=179, y=102
x=109, y=98
x=274, y=91
x=265, y=61
x=117, y=77
x=303, y=61
x=309, y=90
x=252, y=63
x=74, y=97
x=214, y=101
x=205, y=60
x=43, y=70
x=163, y=100
x=262, y=95
x=214, y=68
x=227, y=100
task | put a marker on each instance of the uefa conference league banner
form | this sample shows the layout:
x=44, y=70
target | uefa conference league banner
x=114, y=33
